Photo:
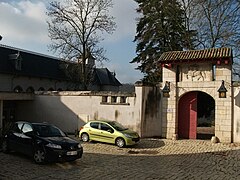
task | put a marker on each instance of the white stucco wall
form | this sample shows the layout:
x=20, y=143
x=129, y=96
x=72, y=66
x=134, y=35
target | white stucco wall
x=71, y=110
x=236, y=115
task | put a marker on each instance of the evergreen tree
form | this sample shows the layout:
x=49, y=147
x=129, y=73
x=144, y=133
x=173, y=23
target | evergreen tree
x=160, y=29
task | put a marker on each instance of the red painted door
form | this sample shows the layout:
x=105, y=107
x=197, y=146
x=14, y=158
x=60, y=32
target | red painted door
x=187, y=116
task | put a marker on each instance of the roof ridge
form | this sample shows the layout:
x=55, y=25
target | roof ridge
x=212, y=53
x=209, y=49
x=29, y=51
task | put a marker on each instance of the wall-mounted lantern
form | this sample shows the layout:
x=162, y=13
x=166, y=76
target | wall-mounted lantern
x=222, y=90
x=166, y=89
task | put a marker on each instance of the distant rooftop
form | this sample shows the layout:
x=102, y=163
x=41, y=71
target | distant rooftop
x=206, y=54
x=104, y=76
x=27, y=63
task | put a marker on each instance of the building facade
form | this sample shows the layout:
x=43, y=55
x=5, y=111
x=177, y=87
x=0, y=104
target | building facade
x=194, y=79
x=196, y=100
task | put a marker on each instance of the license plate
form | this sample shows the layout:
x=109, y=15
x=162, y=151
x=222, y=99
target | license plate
x=71, y=153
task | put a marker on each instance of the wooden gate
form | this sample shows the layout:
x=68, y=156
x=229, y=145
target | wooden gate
x=187, y=116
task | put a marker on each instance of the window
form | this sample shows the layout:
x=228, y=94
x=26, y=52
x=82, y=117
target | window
x=18, y=64
x=51, y=89
x=27, y=128
x=105, y=127
x=123, y=99
x=113, y=99
x=30, y=89
x=213, y=72
x=44, y=130
x=16, y=60
x=94, y=125
x=17, y=127
x=178, y=74
x=104, y=99
x=18, y=89
x=41, y=89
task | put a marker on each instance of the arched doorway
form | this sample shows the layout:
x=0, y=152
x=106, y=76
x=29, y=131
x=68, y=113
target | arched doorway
x=196, y=116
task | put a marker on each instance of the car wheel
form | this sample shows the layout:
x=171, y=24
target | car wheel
x=39, y=156
x=120, y=142
x=85, y=137
x=5, y=147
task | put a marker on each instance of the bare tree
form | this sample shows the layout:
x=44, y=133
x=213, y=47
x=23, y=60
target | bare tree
x=189, y=38
x=217, y=23
x=76, y=28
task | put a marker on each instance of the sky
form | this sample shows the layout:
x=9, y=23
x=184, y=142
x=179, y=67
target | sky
x=23, y=25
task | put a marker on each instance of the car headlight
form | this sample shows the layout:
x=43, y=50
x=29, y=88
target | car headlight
x=127, y=135
x=79, y=146
x=55, y=146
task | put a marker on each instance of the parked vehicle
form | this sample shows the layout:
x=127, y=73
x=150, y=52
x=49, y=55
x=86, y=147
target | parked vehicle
x=108, y=132
x=42, y=141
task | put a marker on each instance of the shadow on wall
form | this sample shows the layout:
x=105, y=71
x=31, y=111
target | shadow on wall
x=51, y=110
x=151, y=124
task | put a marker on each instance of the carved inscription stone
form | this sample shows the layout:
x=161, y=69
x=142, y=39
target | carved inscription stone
x=196, y=73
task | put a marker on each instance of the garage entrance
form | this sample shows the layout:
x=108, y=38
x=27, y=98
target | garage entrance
x=196, y=116
x=8, y=108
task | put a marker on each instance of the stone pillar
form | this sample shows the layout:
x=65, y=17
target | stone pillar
x=169, y=106
x=223, y=117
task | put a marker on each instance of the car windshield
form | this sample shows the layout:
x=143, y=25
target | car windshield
x=47, y=131
x=117, y=126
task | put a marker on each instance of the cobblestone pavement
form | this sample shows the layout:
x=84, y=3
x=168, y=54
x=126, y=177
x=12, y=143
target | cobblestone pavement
x=150, y=159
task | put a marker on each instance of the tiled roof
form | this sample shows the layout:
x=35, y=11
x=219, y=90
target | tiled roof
x=206, y=54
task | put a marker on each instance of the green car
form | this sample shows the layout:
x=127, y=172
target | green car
x=108, y=132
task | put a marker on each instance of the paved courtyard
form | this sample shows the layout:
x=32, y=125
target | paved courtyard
x=150, y=159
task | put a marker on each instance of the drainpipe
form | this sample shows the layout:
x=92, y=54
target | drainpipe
x=13, y=77
x=55, y=85
x=232, y=115
x=175, y=137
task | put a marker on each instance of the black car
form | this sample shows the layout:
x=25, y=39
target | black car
x=42, y=141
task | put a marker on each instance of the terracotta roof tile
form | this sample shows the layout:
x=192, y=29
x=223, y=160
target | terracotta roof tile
x=206, y=54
